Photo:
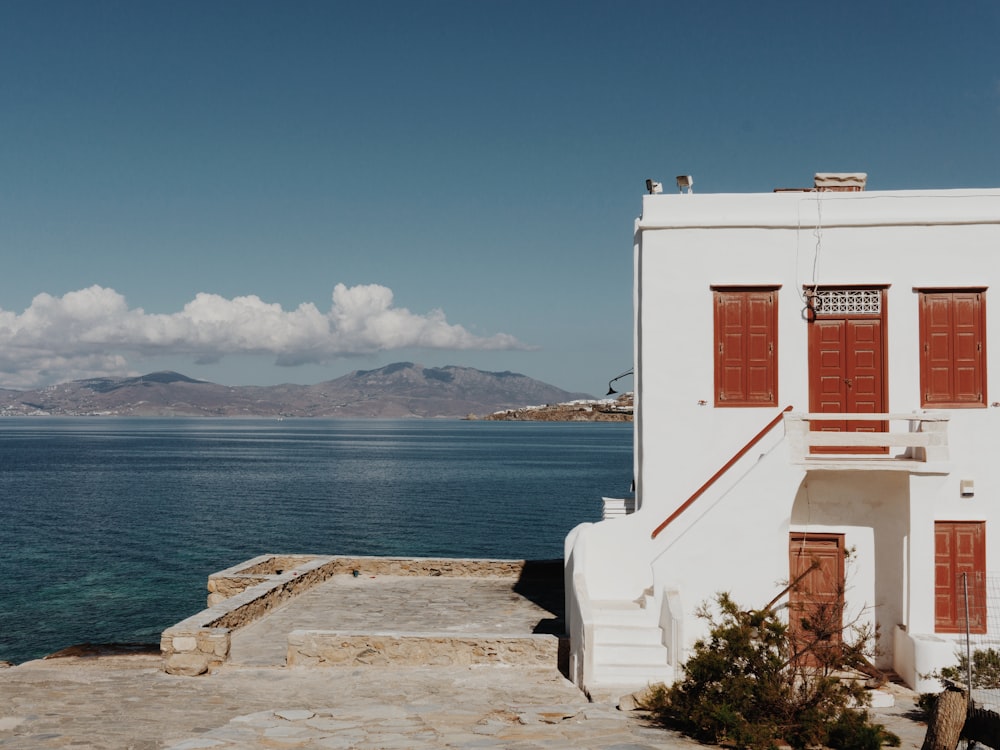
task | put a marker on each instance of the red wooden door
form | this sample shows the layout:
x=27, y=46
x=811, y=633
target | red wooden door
x=816, y=597
x=959, y=570
x=846, y=361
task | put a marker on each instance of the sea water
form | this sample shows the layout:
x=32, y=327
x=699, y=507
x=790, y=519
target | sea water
x=110, y=527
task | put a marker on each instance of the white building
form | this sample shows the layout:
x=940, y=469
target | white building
x=829, y=302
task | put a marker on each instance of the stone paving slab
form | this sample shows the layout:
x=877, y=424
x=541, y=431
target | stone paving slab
x=111, y=703
x=397, y=604
x=129, y=702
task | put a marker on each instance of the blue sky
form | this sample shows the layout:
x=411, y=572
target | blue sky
x=256, y=193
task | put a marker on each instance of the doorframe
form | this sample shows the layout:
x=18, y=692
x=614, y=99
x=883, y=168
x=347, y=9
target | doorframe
x=811, y=314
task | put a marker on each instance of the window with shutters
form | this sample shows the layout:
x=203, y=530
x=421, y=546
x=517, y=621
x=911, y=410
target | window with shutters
x=746, y=346
x=952, y=348
x=959, y=576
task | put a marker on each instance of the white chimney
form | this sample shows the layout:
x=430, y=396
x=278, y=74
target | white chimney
x=846, y=182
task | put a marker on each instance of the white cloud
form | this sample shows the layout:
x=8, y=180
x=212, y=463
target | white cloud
x=89, y=333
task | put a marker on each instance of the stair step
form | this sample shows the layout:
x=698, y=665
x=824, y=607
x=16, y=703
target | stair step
x=617, y=604
x=613, y=693
x=631, y=676
x=628, y=617
x=632, y=655
x=624, y=633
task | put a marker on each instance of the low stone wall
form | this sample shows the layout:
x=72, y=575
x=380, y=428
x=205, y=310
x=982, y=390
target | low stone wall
x=202, y=641
x=232, y=581
x=243, y=593
x=428, y=566
x=311, y=648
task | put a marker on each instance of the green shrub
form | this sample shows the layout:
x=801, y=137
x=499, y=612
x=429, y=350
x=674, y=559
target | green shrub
x=985, y=669
x=747, y=684
x=853, y=730
x=926, y=703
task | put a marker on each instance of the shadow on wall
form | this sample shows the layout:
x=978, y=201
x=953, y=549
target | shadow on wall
x=542, y=583
x=873, y=509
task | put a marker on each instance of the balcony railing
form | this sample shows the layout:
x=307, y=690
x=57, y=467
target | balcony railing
x=923, y=441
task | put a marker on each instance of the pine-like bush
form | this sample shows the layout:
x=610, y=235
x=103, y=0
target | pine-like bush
x=748, y=684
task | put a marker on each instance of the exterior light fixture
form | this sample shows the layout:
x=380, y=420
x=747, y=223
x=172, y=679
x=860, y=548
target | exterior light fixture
x=684, y=182
x=612, y=391
x=654, y=187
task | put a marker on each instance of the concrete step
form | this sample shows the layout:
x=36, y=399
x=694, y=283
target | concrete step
x=634, y=617
x=619, y=605
x=630, y=677
x=624, y=633
x=612, y=694
x=631, y=655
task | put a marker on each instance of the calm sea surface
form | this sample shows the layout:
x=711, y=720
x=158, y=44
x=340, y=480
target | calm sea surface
x=109, y=528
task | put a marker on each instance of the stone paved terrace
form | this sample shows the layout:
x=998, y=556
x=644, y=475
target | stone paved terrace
x=119, y=702
x=400, y=605
x=105, y=701
x=321, y=610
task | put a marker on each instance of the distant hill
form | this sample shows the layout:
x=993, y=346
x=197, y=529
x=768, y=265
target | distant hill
x=398, y=390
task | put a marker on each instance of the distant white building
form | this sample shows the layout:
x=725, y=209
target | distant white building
x=865, y=315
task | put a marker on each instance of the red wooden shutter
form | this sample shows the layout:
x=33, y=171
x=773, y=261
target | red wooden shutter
x=760, y=339
x=937, y=342
x=952, y=357
x=745, y=344
x=968, y=348
x=731, y=347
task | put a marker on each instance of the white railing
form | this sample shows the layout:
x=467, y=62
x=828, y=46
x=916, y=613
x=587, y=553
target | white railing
x=924, y=439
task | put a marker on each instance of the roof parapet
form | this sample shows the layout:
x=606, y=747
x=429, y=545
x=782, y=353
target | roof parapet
x=833, y=182
x=848, y=182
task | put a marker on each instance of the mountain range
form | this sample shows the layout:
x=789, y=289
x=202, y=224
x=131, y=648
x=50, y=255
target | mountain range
x=399, y=390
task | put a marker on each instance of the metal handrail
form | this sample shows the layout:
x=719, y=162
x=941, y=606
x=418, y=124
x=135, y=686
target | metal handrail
x=729, y=464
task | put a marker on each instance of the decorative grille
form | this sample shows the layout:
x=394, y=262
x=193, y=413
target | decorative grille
x=848, y=302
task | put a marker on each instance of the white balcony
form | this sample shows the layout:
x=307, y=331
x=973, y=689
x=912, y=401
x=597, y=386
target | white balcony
x=917, y=443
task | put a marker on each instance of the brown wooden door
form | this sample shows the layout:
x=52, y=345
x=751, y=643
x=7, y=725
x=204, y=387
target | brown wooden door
x=959, y=568
x=846, y=362
x=816, y=597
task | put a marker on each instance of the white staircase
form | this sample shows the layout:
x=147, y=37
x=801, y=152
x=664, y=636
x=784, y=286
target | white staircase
x=628, y=648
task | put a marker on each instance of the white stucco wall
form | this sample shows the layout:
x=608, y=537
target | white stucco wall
x=775, y=242
x=687, y=243
x=736, y=537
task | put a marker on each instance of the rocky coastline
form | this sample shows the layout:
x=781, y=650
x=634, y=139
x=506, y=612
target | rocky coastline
x=584, y=410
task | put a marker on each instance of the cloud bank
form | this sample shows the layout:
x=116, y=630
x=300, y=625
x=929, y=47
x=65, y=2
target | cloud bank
x=90, y=332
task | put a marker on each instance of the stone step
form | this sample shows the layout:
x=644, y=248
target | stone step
x=319, y=648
